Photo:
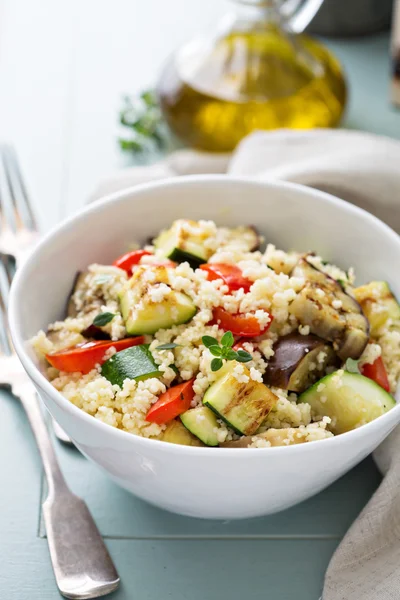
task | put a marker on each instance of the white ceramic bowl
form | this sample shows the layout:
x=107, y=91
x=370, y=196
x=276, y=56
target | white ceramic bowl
x=204, y=482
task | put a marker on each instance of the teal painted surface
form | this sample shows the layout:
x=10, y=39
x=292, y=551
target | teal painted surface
x=160, y=555
x=121, y=515
x=366, y=63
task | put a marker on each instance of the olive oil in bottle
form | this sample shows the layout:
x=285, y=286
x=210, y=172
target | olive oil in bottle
x=255, y=74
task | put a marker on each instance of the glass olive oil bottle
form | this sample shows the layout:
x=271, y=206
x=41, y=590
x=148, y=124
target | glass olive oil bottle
x=256, y=73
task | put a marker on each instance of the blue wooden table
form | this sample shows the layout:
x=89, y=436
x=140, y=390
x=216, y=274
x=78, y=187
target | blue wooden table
x=160, y=555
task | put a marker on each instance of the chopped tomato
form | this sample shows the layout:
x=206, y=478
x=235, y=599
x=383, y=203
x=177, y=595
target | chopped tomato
x=245, y=326
x=84, y=357
x=377, y=372
x=128, y=260
x=239, y=344
x=231, y=275
x=172, y=403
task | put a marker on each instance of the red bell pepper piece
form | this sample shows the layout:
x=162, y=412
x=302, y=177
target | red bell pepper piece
x=172, y=403
x=231, y=275
x=84, y=357
x=243, y=325
x=377, y=372
x=239, y=344
x=128, y=260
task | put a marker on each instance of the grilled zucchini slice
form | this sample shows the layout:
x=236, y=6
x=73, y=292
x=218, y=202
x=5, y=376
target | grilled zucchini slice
x=133, y=363
x=143, y=312
x=243, y=406
x=184, y=241
x=202, y=422
x=349, y=399
x=177, y=433
x=330, y=312
x=379, y=305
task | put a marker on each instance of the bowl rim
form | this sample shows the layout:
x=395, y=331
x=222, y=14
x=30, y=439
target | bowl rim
x=123, y=195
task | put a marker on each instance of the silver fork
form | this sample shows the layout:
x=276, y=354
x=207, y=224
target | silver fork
x=19, y=230
x=82, y=565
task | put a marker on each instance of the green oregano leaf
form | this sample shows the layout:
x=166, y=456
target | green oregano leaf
x=215, y=350
x=209, y=341
x=216, y=364
x=169, y=346
x=243, y=356
x=227, y=339
x=103, y=318
x=230, y=355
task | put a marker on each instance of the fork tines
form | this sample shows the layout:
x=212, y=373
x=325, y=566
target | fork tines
x=15, y=205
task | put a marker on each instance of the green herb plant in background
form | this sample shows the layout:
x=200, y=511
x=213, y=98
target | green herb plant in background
x=145, y=128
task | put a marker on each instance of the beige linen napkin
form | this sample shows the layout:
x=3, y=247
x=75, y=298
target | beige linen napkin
x=364, y=169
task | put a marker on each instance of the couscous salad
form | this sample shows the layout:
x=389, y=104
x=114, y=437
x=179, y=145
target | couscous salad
x=201, y=338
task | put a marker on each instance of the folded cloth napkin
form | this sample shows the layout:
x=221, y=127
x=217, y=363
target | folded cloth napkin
x=363, y=169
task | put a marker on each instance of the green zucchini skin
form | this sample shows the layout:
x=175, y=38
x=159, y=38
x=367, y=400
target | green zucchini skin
x=133, y=363
x=175, y=309
x=349, y=399
x=180, y=256
x=202, y=423
x=180, y=246
x=243, y=406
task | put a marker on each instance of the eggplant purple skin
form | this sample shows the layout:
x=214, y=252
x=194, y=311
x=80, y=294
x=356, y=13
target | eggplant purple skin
x=257, y=244
x=95, y=333
x=289, y=352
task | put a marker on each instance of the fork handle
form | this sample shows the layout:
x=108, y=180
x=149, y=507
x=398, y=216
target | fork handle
x=82, y=565
x=55, y=479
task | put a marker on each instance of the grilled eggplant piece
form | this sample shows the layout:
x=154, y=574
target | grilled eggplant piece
x=246, y=236
x=77, y=296
x=379, y=305
x=78, y=285
x=330, y=313
x=276, y=437
x=95, y=333
x=298, y=361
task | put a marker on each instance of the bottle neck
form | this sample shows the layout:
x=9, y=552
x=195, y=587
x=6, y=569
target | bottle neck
x=257, y=11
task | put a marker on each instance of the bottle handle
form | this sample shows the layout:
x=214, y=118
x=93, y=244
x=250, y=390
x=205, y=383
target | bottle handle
x=299, y=13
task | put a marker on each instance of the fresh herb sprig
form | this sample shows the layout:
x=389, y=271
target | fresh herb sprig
x=103, y=318
x=169, y=346
x=147, y=128
x=223, y=351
